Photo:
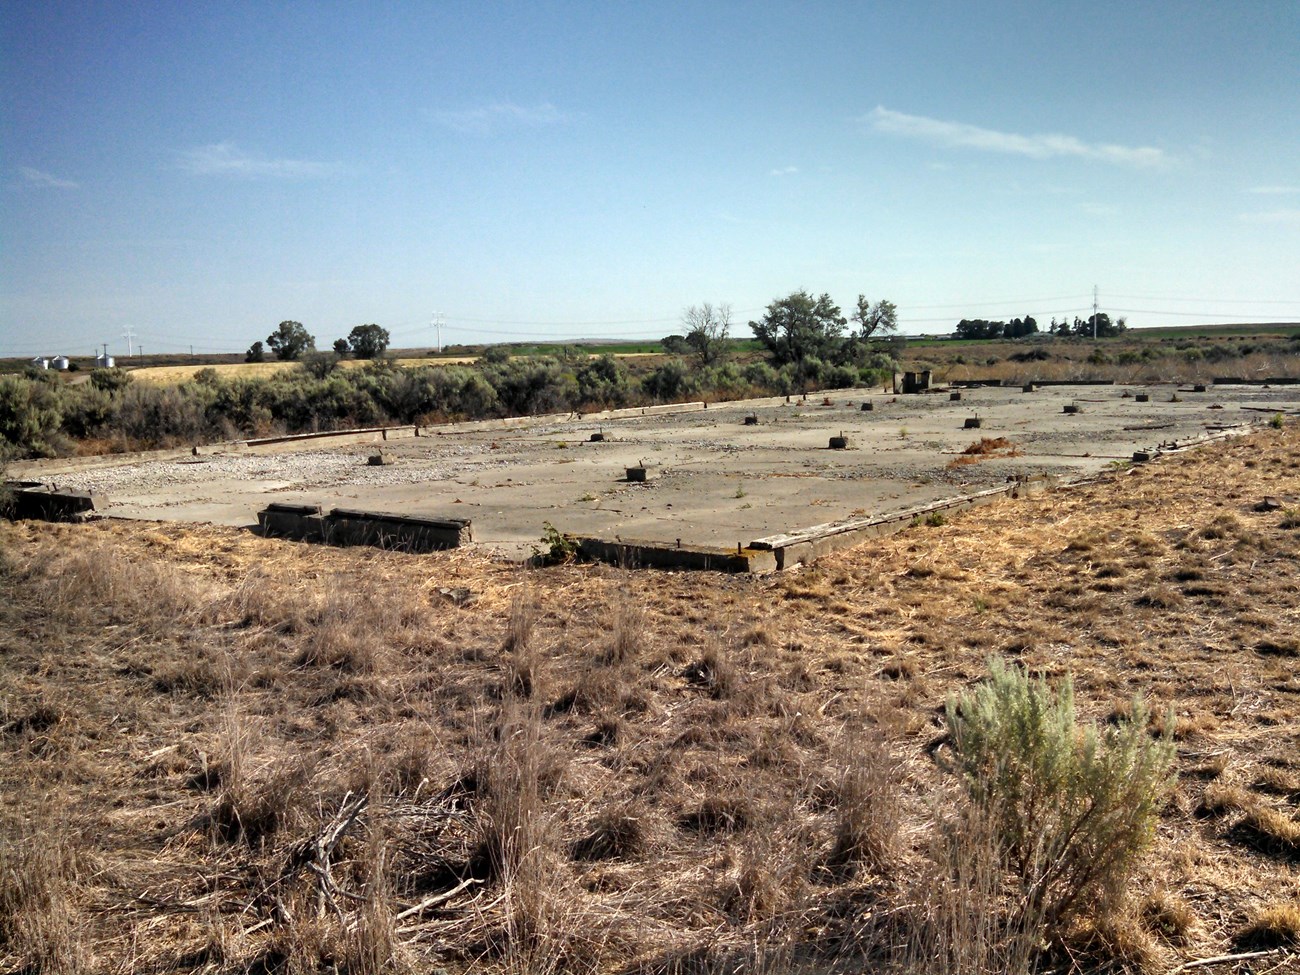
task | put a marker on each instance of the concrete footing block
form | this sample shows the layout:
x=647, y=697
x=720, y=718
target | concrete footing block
x=43, y=502
x=973, y=423
x=345, y=526
x=657, y=555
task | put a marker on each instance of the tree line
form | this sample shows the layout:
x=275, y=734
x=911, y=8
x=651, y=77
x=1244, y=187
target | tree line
x=291, y=340
x=980, y=328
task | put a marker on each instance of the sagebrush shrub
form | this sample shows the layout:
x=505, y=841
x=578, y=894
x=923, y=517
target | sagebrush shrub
x=1073, y=807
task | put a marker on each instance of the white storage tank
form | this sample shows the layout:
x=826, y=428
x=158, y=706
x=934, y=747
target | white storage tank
x=40, y=362
x=60, y=362
x=104, y=361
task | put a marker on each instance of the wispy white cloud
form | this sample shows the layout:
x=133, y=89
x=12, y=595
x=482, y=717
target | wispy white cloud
x=960, y=135
x=1283, y=216
x=1274, y=190
x=227, y=159
x=503, y=115
x=783, y=171
x=43, y=180
x=1099, y=209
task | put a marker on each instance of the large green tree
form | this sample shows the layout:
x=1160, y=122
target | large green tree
x=290, y=341
x=368, y=341
x=799, y=327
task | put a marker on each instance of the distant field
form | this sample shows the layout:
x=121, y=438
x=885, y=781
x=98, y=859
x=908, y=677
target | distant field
x=166, y=375
x=1217, y=331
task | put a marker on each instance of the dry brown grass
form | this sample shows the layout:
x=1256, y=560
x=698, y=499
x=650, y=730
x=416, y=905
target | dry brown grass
x=40, y=927
x=610, y=770
x=1274, y=925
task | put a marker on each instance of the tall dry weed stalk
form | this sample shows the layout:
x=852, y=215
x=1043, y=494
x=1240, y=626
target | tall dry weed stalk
x=628, y=629
x=95, y=579
x=520, y=658
x=40, y=930
x=541, y=926
x=372, y=945
x=868, y=794
x=964, y=919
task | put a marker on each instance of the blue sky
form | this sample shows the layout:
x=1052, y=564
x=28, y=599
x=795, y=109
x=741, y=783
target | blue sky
x=198, y=172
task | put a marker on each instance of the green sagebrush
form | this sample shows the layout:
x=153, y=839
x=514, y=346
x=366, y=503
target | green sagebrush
x=1072, y=808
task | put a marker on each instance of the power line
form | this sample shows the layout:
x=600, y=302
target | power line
x=1210, y=301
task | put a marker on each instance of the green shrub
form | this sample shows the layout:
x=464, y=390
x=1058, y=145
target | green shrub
x=1073, y=808
x=670, y=381
x=602, y=382
x=30, y=417
x=160, y=416
x=762, y=376
x=111, y=380
x=86, y=409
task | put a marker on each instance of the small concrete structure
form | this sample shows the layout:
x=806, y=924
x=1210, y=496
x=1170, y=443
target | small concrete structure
x=973, y=423
x=344, y=526
x=637, y=474
x=839, y=443
x=44, y=502
x=916, y=382
x=657, y=555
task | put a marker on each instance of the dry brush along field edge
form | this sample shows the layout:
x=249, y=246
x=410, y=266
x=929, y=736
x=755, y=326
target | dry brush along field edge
x=224, y=753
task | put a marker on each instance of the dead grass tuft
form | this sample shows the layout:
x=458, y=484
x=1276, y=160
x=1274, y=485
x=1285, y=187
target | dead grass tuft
x=1169, y=916
x=617, y=833
x=1223, y=799
x=719, y=814
x=1271, y=832
x=1275, y=925
x=985, y=446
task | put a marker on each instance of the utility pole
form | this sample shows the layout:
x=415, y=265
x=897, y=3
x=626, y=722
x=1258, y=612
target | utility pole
x=105, y=345
x=1094, y=313
x=130, y=337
